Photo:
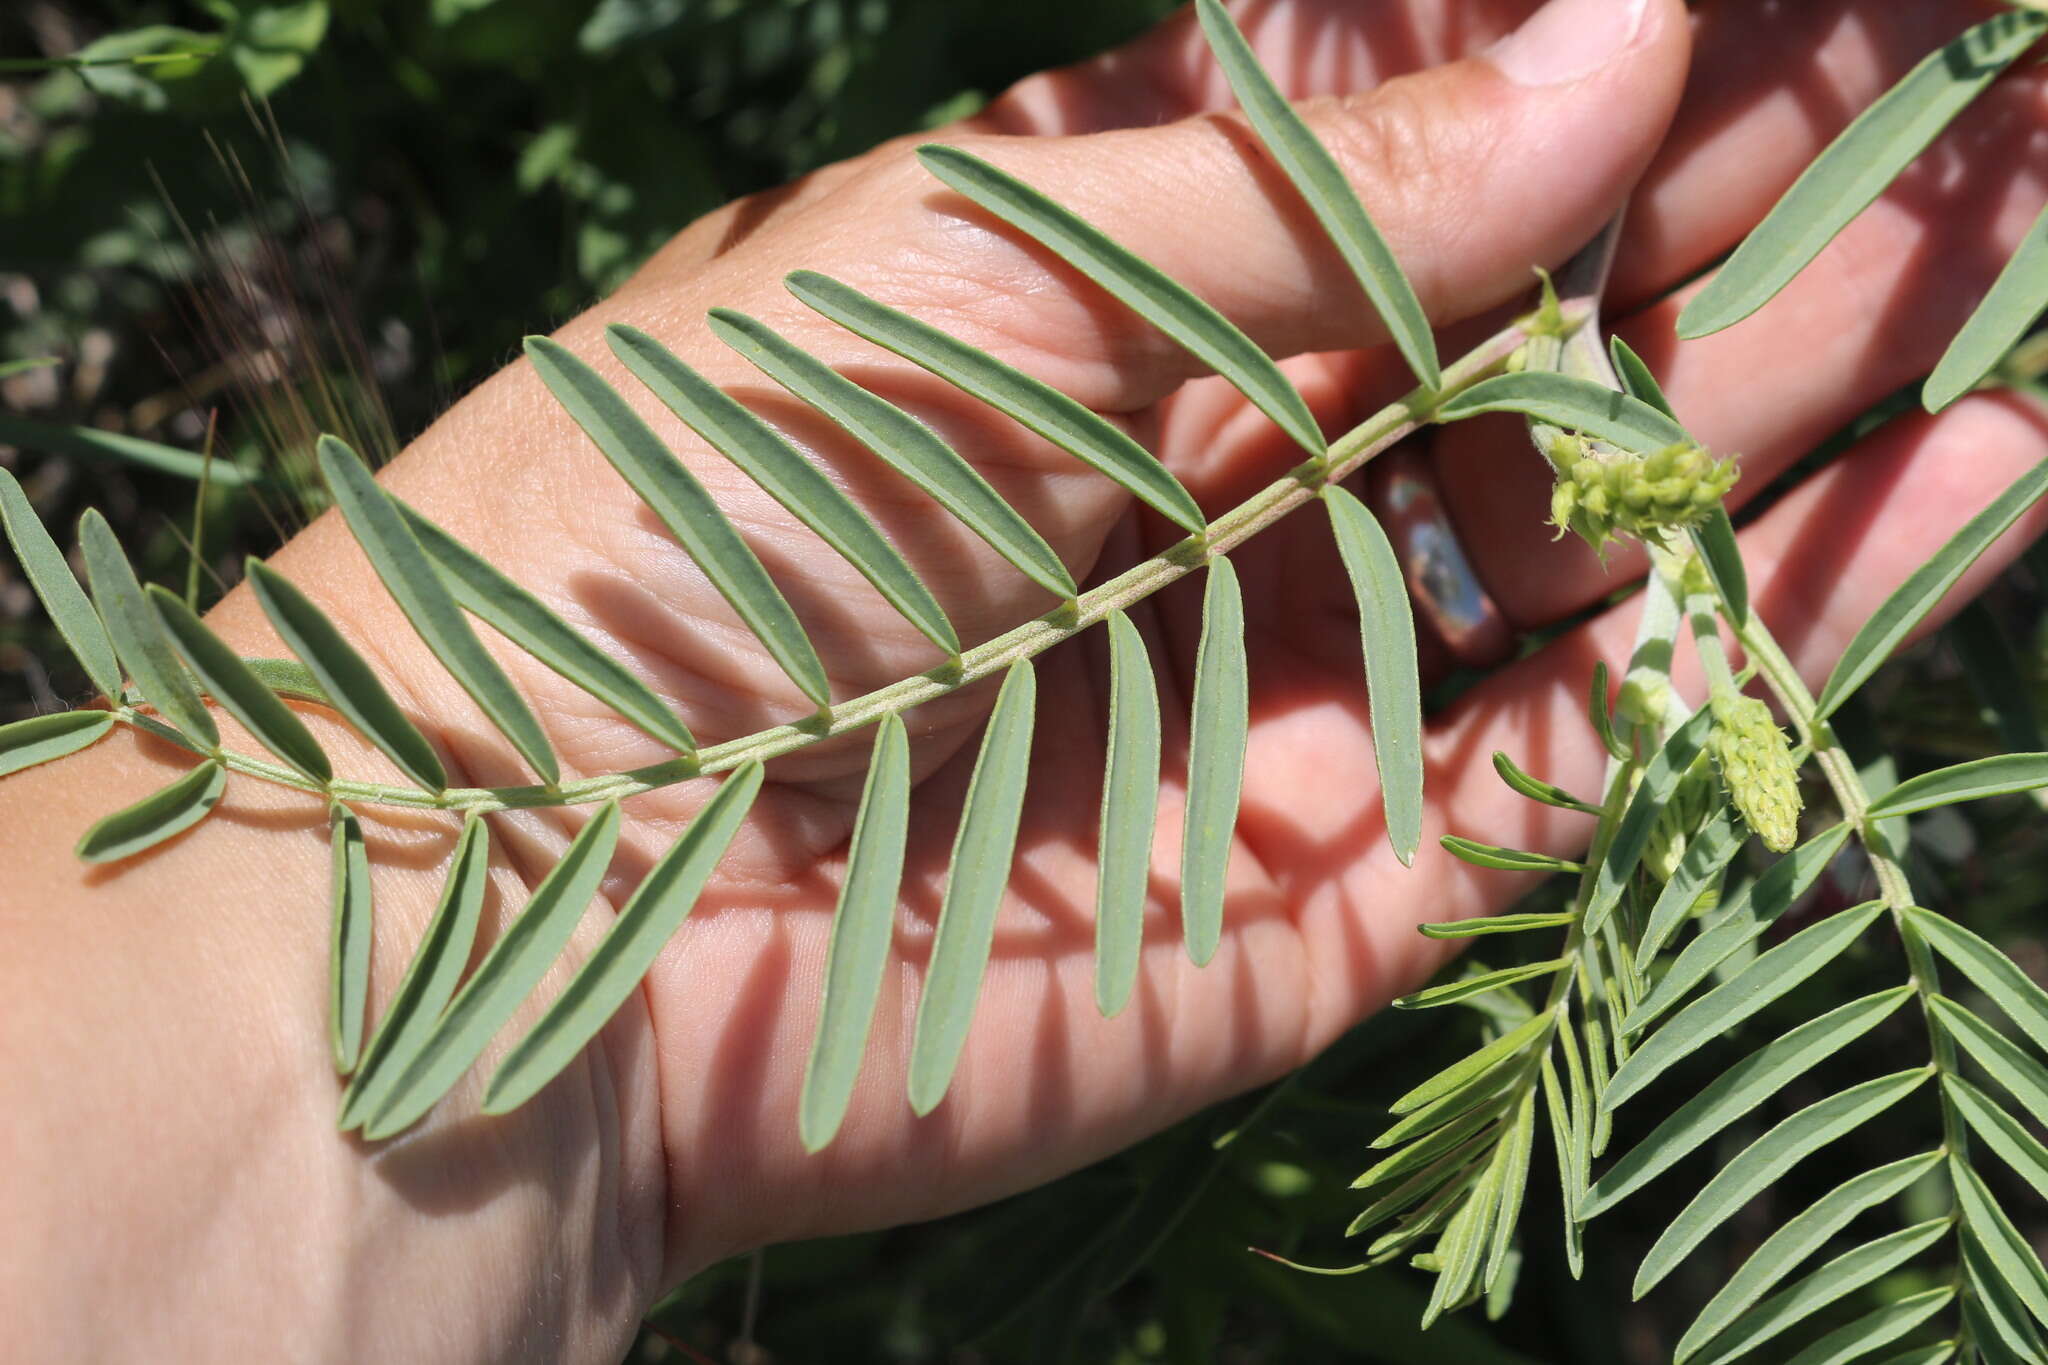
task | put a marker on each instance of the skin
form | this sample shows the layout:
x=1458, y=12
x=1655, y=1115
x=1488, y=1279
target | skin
x=162, y=1046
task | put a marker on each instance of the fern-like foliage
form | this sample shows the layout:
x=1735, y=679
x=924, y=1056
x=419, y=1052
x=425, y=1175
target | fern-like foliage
x=1658, y=957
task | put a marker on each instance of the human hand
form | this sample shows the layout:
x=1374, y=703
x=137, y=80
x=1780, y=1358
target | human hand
x=1475, y=176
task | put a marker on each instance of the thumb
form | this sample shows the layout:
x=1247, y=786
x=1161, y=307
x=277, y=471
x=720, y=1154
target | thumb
x=1474, y=171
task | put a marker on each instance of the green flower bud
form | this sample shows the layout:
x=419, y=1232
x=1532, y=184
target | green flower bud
x=1647, y=496
x=1755, y=758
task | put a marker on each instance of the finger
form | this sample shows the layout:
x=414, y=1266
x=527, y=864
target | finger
x=1872, y=313
x=1821, y=562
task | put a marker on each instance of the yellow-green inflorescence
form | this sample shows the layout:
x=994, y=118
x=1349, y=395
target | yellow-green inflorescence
x=1602, y=494
x=1755, y=759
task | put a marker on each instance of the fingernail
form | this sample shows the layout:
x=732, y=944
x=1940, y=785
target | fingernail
x=1566, y=40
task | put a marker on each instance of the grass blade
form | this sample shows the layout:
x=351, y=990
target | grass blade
x=665, y=897
x=1659, y=781
x=974, y=889
x=1496, y=924
x=2010, y=1258
x=349, y=683
x=736, y=433
x=1892, y=622
x=1140, y=286
x=692, y=517
x=1773, y=974
x=1856, y=167
x=1321, y=182
x=430, y=979
x=1859, y=1338
x=1742, y=920
x=348, y=946
x=522, y=618
x=138, y=636
x=507, y=975
x=1761, y=1163
x=1997, y=776
x=2002, y=1133
x=413, y=583
x=94, y=445
x=2025, y=1079
x=1216, y=754
x=2000, y=320
x=1737, y=1092
x=1991, y=971
x=57, y=590
x=169, y=810
x=1130, y=812
x=1707, y=855
x=1844, y=1275
x=1078, y=430
x=1465, y=988
x=1386, y=626
x=1578, y=404
x=236, y=687
x=862, y=926
x=39, y=739
x=1807, y=1232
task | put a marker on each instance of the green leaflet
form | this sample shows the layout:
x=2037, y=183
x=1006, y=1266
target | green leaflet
x=736, y=433
x=2002, y=1133
x=974, y=889
x=1514, y=1185
x=1720, y=1010
x=39, y=739
x=507, y=975
x=1660, y=779
x=2008, y=1253
x=1892, y=622
x=1434, y=1143
x=1568, y=1137
x=1139, y=285
x=1578, y=404
x=1602, y=717
x=1857, y=166
x=1482, y=1090
x=1858, y=1339
x=1991, y=971
x=349, y=683
x=1386, y=626
x=896, y=436
x=1536, y=789
x=62, y=598
x=1737, y=1092
x=1745, y=916
x=167, y=811
x=348, y=946
x=1435, y=1176
x=1471, y=1067
x=522, y=618
x=1936, y=1354
x=1504, y=859
x=290, y=679
x=92, y=444
x=1216, y=753
x=235, y=686
x=2016, y=299
x=413, y=583
x=1466, y=987
x=1636, y=379
x=1715, y=539
x=862, y=926
x=1707, y=855
x=2025, y=1079
x=1761, y=1163
x=139, y=637
x=665, y=897
x=2003, y=1328
x=1997, y=776
x=1843, y=1275
x=1322, y=184
x=1461, y=1250
x=1495, y=924
x=429, y=980
x=905, y=444
x=1807, y=1232
x=1130, y=809
x=664, y=484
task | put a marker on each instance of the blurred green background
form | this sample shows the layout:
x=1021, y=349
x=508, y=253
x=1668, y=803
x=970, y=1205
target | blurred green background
x=290, y=217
